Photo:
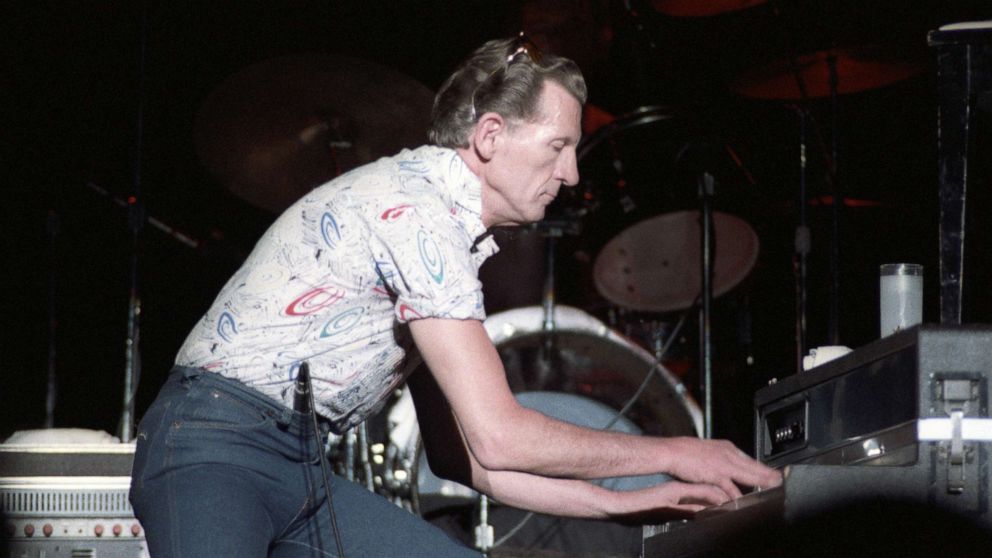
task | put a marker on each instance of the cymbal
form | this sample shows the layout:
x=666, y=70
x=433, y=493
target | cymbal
x=695, y=8
x=654, y=265
x=276, y=129
x=858, y=69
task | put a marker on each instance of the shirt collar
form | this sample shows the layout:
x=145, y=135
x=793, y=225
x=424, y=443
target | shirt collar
x=465, y=190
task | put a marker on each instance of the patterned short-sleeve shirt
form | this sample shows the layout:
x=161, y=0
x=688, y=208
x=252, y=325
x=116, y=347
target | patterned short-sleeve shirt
x=338, y=275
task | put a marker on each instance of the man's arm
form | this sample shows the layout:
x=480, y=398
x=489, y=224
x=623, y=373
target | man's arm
x=449, y=458
x=505, y=436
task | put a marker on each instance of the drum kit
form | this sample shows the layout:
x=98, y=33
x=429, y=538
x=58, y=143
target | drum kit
x=274, y=130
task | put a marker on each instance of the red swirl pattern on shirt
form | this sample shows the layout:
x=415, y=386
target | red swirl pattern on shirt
x=394, y=213
x=407, y=313
x=313, y=301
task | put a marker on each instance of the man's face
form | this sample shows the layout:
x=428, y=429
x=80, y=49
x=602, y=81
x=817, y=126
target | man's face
x=532, y=160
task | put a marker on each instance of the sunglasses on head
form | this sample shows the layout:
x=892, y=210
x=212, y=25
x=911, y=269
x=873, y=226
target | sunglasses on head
x=520, y=45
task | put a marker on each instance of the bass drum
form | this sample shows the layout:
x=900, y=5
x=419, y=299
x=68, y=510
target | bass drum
x=580, y=372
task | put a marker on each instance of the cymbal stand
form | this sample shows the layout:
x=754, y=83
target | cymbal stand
x=552, y=235
x=706, y=191
x=803, y=240
x=802, y=246
x=833, y=331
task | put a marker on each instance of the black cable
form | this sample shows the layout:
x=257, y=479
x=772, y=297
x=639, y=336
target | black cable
x=305, y=403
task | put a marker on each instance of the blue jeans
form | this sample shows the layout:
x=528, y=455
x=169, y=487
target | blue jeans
x=221, y=470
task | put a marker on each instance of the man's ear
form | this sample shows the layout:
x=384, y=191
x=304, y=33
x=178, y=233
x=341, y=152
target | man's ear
x=487, y=132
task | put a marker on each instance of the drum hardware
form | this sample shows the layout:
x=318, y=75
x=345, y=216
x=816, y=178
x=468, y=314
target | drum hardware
x=802, y=245
x=650, y=263
x=654, y=368
x=138, y=217
x=362, y=436
x=655, y=332
x=662, y=262
x=484, y=532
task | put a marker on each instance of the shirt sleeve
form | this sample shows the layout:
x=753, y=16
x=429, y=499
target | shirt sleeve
x=424, y=258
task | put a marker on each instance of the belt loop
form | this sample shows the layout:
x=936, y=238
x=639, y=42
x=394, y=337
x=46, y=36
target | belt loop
x=190, y=373
x=283, y=417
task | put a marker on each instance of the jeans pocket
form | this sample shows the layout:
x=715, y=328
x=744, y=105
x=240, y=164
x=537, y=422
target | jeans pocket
x=209, y=408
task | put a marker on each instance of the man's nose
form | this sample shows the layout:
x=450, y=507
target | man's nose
x=569, y=170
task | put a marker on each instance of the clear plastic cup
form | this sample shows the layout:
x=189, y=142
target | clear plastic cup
x=900, y=297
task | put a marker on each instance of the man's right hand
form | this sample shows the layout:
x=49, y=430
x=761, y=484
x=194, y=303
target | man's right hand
x=718, y=463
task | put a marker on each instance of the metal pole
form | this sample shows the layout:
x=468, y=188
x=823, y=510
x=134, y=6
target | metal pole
x=51, y=396
x=802, y=247
x=136, y=219
x=834, y=329
x=706, y=187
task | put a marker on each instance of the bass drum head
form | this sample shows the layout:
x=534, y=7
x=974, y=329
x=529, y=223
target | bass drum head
x=582, y=356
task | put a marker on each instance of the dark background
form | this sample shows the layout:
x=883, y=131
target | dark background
x=76, y=75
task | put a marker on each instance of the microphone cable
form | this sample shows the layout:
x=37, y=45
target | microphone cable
x=305, y=403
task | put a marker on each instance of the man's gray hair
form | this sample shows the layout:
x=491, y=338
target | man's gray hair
x=498, y=78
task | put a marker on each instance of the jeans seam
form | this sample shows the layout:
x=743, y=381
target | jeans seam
x=175, y=536
x=299, y=512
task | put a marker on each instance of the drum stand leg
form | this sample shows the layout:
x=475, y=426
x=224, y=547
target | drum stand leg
x=484, y=535
x=350, y=440
x=657, y=340
x=363, y=455
x=548, y=293
x=546, y=368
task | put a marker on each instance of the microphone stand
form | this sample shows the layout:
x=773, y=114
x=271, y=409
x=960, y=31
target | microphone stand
x=136, y=219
